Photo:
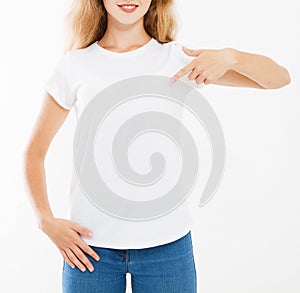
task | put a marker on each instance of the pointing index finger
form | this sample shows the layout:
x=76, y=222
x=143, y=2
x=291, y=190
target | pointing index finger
x=182, y=72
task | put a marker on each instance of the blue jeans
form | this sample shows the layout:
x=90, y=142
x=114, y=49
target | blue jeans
x=167, y=268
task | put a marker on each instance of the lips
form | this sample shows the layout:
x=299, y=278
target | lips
x=128, y=7
x=126, y=4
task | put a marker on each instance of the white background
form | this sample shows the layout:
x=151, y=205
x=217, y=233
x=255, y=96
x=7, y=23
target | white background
x=247, y=238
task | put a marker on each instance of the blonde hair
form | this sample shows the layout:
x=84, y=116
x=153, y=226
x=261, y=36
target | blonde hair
x=86, y=22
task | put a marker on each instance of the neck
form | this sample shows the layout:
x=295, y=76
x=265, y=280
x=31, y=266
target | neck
x=123, y=36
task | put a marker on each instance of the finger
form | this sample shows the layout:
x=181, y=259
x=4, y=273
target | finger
x=82, y=257
x=67, y=259
x=75, y=260
x=192, y=52
x=183, y=71
x=193, y=74
x=82, y=230
x=206, y=81
x=200, y=78
x=86, y=248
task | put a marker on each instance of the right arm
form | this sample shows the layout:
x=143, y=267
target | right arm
x=64, y=233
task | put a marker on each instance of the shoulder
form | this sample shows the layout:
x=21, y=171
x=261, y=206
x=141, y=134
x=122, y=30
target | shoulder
x=175, y=48
x=76, y=55
x=71, y=60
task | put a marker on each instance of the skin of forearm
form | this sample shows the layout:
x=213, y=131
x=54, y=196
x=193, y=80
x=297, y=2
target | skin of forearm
x=261, y=69
x=35, y=183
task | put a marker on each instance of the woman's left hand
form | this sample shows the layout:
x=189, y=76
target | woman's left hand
x=208, y=66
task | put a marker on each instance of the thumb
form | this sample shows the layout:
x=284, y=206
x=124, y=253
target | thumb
x=191, y=52
x=82, y=230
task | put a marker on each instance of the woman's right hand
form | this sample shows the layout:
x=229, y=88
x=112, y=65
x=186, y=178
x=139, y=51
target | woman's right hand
x=65, y=235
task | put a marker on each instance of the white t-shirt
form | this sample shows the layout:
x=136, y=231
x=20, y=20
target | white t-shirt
x=78, y=76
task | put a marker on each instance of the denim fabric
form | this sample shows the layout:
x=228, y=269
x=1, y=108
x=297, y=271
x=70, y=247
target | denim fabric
x=167, y=268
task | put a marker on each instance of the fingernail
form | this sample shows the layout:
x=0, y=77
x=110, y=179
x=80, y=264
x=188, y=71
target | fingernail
x=173, y=79
x=90, y=234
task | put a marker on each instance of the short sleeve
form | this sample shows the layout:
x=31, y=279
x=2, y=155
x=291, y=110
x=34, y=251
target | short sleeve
x=58, y=85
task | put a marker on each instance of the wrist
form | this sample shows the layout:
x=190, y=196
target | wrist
x=44, y=220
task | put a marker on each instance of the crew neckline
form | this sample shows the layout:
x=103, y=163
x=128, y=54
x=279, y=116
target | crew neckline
x=128, y=53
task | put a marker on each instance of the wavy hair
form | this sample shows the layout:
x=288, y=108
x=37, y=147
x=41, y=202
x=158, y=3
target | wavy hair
x=86, y=22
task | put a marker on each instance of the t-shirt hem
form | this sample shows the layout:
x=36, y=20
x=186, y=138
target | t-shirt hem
x=137, y=246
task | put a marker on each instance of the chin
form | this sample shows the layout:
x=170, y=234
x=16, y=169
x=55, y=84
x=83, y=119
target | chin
x=127, y=21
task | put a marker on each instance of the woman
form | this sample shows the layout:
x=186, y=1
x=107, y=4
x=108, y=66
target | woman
x=111, y=40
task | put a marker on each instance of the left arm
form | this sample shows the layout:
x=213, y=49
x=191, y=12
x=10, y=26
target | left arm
x=231, y=67
x=262, y=70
